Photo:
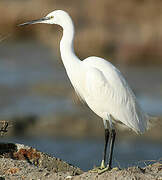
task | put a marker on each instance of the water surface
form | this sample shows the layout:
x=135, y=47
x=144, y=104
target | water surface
x=23, y=66
x=87, y=153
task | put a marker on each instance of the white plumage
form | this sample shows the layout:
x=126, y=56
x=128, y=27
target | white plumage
x=107, y=92
x=98, y=83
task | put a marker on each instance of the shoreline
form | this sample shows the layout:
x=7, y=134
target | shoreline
x=18, y=161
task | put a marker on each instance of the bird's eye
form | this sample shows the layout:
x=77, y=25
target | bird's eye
x=51, y=17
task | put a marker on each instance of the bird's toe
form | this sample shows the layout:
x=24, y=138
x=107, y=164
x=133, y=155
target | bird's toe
x=100, y=169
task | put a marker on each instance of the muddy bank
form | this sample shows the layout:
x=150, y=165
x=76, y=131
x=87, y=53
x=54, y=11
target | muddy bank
x=23, y=162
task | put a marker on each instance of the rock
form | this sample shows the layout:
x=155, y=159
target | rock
x=18, y=161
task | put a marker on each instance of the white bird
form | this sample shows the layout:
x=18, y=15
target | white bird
x=99, y=84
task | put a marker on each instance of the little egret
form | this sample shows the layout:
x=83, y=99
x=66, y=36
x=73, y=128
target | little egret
x=99, y=84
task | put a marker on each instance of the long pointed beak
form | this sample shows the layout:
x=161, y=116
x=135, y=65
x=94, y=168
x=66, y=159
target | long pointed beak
x=34, y=21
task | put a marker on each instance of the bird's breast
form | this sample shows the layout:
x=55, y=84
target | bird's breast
x=77, y=79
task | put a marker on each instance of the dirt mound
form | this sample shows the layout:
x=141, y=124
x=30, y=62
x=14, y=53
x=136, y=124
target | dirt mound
x=22, y=162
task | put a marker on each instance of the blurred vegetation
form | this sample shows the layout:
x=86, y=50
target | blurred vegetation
x=126, y=32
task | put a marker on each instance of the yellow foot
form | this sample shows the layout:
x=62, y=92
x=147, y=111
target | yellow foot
x=100, y=169
x=115, y=169
x=108, y=169
x=103, y=169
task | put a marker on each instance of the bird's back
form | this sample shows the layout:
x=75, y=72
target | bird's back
x=107, y=92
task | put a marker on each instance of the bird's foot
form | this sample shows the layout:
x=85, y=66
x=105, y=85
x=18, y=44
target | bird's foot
x=103, y=169
x=108, y=169
x=100, y=169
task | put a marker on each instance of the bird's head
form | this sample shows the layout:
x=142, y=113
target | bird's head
x=58, y=17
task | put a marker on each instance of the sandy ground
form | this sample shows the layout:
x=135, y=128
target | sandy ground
x=23, y=162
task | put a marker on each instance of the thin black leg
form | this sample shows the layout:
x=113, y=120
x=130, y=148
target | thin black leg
x=112, y=140
x=105, y=145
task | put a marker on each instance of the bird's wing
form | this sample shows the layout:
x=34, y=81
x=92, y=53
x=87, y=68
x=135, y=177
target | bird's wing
x=108, y=90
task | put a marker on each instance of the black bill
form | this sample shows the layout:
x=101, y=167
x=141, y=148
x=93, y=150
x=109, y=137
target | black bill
x=34, y=21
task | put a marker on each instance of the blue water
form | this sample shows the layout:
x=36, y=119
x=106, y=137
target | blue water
x=87, y=153
x=24, y=65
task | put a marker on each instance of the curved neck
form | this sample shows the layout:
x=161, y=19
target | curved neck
x=66, y=45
